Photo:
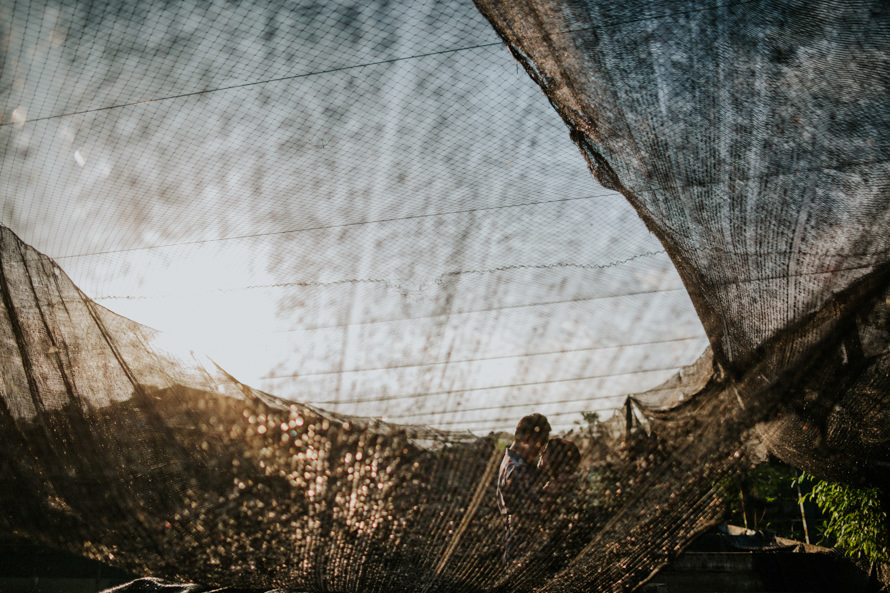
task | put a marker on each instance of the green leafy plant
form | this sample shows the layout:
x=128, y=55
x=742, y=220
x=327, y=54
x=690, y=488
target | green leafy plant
x=857, y=519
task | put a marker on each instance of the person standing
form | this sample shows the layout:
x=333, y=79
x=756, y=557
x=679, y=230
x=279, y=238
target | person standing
x=519, y=486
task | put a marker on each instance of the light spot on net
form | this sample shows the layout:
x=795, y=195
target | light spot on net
x=19, y=115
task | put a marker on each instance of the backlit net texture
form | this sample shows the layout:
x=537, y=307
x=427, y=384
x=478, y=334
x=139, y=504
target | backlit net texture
x=384, y=237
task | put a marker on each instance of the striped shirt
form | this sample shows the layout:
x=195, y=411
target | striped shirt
x=519, y=502
x=517, y=486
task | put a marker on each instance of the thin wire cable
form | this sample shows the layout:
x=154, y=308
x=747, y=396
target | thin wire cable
x=511, y=420
x=557, y=302
x=390, y=283
x=474, y=311
x=364, y=65
x=470, y=312
x=484, y=359
x=649, y=189
x=261, y=82
x=487, y=388
x=606, y=193
x=508, y=406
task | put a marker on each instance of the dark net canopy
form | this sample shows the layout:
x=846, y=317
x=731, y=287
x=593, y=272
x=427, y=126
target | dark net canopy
x=371, y=211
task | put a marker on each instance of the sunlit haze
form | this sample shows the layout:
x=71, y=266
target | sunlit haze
x=392, y=224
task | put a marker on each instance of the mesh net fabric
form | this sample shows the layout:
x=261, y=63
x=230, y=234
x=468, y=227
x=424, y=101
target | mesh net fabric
x=394, y=183
x=764, y=182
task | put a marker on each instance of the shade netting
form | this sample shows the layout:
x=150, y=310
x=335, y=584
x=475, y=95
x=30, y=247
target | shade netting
x=386, y=232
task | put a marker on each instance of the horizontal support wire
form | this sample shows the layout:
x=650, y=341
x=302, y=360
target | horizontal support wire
x=509, y=406
x=484, y=359
x=489, y=388
x=486, y=310
x=511, y=420
x=607, y=193
x=335, y=70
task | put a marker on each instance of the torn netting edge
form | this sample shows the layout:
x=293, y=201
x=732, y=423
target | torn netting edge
x=122, y=450
x=768, y=190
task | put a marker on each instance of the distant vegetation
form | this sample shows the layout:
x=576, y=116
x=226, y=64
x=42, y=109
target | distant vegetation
x=778, y=497
x=769, y=496
x=856, y=518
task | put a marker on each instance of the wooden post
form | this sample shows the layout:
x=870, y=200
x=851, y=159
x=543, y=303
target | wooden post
x=803, y=514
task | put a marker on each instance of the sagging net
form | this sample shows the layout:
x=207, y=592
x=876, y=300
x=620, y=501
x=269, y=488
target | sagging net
x=424, y=234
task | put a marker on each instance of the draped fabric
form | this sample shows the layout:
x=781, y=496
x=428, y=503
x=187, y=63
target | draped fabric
x=734, y=131
x=750, y=138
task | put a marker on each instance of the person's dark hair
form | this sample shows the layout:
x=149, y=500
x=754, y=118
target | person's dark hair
x=561, y=456
x=535, y=425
